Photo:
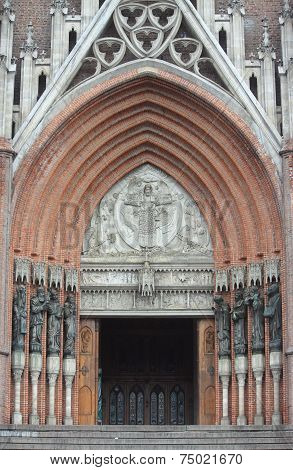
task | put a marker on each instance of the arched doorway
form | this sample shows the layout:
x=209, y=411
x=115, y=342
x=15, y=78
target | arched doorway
x=147, y=278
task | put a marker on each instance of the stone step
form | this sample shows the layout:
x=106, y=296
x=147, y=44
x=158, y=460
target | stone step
x=146, y=437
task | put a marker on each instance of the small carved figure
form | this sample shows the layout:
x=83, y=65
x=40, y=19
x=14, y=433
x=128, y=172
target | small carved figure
x=55, y=314
x=239, y=313
x=256, y=302
x=19, y=319
x=69, y=326
x=222, y=316
x=273, y=311
x=39, y=305
x=146, y=283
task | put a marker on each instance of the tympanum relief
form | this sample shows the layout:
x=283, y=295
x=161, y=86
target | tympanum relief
x=147, y=248
x=147, y=212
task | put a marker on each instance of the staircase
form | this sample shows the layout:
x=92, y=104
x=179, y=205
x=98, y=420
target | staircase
x=146, y=437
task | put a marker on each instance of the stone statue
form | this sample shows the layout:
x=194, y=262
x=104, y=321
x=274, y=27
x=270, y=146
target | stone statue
x=239, y=313
x=256, y=302
x=222, y=317
x=147, y=205
x=146, y=280
x=19, y=319
x=69, y=326
x=39, y=305
x=273, y=311
x=55, y=314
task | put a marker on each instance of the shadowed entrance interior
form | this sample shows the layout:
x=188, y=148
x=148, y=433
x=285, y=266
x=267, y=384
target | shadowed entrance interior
x=147, y=371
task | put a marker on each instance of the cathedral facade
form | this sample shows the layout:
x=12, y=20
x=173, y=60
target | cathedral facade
x=146, y=156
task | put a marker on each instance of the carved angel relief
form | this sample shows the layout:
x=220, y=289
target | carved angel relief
x=147, y=212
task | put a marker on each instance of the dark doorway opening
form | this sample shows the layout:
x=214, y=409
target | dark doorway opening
x=147, y=371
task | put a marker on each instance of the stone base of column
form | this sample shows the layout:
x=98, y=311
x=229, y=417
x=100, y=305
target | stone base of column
x=51, y=420
x=225, y=421
x=241, y=421
x=276, y=419
x=34, y=419
x=68, y=421
x=16, y=418
x=258, y=420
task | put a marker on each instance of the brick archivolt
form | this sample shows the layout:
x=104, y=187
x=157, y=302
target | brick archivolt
x=104, y=134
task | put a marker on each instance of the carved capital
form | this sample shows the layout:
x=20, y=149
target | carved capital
x=241, y=379
x=52, y=379
x=68, y=379
x=17, y=374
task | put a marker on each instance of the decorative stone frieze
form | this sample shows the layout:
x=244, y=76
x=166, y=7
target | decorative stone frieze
x=39, y=273
x=22, y=270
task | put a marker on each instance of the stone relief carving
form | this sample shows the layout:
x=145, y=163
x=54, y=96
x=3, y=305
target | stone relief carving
x=239, y=313
x=19, y=318
x=55, y=315
x=22, y=269
x=222, y=317
x=146, y=280
x=39, y=305
x=39, y=272
x=147, y=212
x=256, y=302
x=71, y=279
x=86, y=341
x=273, y=311
x=222, y=281
x=254, y=273
x=69, y=326
x=55, y=276
x=272, y=270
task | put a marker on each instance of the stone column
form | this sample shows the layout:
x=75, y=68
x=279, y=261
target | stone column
x=69, y=368
x=17, y=366
x=6, y=157
x=241, y=367
x=53, y=367
x=35, y=364
x=267, y=56
x=276, y=368
x=287, y=155
x=225, y=371
x=59, y=43
x=88, y=11
x=258, y=367
x=29, y=53
x=7, y=70
x=236, y=11
x=206, y=9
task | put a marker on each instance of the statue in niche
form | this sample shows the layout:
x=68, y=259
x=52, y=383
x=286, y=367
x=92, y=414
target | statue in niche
x=222, y=317
x=69, y=325
x=273, y=311
x=146, y=280
x=39, y=305
x=239, y=313
x=149, y=213
x=19, y=319
x=55, y=314
x=256, y=302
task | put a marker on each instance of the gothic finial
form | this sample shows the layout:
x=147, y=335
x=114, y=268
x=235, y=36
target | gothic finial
x=8, y=9
x=287, y=12
x=236, y=5
x=29, y=45
x=266, y=45
x=61, y=5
